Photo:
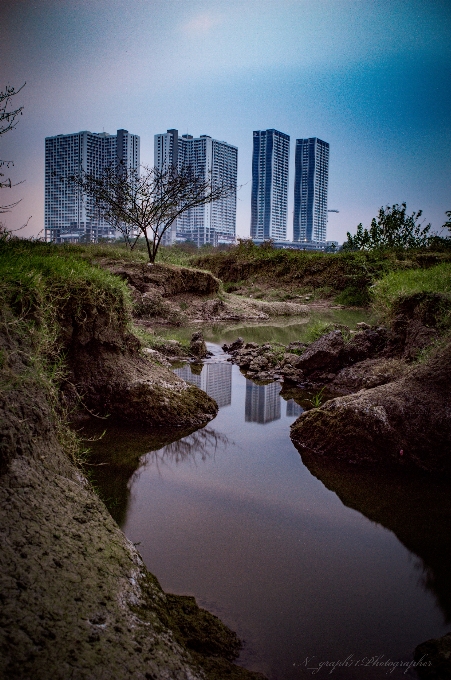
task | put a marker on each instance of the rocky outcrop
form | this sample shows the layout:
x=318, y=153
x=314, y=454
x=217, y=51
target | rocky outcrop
x=197, y=347
x=433, y=659
x=406, y=422
x=366, y=374
x=309, y=365
x=324, y=354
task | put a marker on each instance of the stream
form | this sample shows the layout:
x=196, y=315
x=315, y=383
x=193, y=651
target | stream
x=340, y=565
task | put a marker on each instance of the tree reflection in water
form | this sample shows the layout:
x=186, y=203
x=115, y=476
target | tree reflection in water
x=197, y=446
x=117, y=454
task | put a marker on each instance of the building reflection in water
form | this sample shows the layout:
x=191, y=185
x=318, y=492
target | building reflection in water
x=262, y=402
x=293, y=409
x=214, y=379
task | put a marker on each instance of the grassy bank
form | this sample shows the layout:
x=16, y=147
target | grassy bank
x=403, y=283
x=40, y=288
x=345, y=277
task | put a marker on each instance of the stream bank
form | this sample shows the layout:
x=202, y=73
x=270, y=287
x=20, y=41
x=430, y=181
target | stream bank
x=77, y=600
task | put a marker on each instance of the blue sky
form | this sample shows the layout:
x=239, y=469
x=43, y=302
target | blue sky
x=371, y=77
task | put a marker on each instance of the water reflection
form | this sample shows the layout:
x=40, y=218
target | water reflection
x=199, y=445
x=283, y=329
x=214, y=379
x=116, y=450
x=262, y=543
x=262, y=402
x=416, y=508
x=293, y=409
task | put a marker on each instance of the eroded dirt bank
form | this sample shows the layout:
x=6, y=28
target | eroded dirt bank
x=76, y=599
x=407, y=422
x=109, y=374
x=165, y=294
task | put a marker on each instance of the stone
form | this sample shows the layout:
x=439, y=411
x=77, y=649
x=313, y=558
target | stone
x=323, y=354
x=197, y=347
x=233, y=346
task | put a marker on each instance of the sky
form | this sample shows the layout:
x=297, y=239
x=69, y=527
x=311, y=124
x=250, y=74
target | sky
x=371, y=77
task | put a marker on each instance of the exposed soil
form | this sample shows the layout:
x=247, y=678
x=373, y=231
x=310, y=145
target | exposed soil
x=76, y=598
x=406, y=422
x=166, y=294
x=434, y=659
x=111, y=376
x=77, y=601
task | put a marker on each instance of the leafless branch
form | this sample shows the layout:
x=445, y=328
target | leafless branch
x=147, y=203
x=8, y=121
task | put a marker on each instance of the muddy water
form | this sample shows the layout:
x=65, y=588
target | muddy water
x=307, y=569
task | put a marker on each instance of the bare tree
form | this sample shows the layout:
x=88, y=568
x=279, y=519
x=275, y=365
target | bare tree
x=8, y=121
x=147, y=203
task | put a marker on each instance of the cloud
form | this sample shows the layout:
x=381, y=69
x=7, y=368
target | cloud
x=201, y=24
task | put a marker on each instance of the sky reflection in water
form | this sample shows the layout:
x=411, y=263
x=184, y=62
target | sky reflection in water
x=231, y=515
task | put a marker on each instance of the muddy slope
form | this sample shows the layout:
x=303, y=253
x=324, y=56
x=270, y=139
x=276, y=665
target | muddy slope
x=406, y=422
x=168, y=294
x=108, y=374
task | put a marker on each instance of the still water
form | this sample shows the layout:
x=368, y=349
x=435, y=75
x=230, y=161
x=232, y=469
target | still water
x=304, y=570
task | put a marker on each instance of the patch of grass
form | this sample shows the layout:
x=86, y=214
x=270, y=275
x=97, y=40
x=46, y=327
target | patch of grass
x=317, y=399
x=316, y=330
x=346, y=274
x=160, y=342
x=352, y=296
x=435, y=279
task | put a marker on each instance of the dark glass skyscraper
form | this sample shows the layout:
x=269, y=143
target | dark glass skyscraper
x=310, y=190
x=270, y=185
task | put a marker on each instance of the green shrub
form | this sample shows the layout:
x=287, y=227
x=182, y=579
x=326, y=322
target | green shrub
x=316, y=330
x=352, y=296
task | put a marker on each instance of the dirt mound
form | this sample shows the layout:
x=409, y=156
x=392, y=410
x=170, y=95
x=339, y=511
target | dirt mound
x=406, y=422
x=168, y=279
x=111, y=376
x=434, y=659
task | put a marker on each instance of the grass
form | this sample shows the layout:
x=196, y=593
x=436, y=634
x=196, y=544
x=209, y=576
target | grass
x=317, y=329
x=317, y=399
x=346, y=277
x=43, y=288
x=386, y=291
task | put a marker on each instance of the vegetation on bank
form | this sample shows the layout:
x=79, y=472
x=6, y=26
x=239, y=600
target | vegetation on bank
x=345, y=277
x=403, y=283
x=40, y=287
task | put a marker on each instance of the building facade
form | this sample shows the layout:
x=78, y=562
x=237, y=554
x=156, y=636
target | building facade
x=262, y=402
x=70, y=216
x=214, y=379
x=269, y=206
x=310, y=190
x=214, y=222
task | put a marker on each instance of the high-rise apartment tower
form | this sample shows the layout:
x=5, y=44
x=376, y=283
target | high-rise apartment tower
x=310, y=190
x=69, y=214
x=214, y=222
x=270, y=185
